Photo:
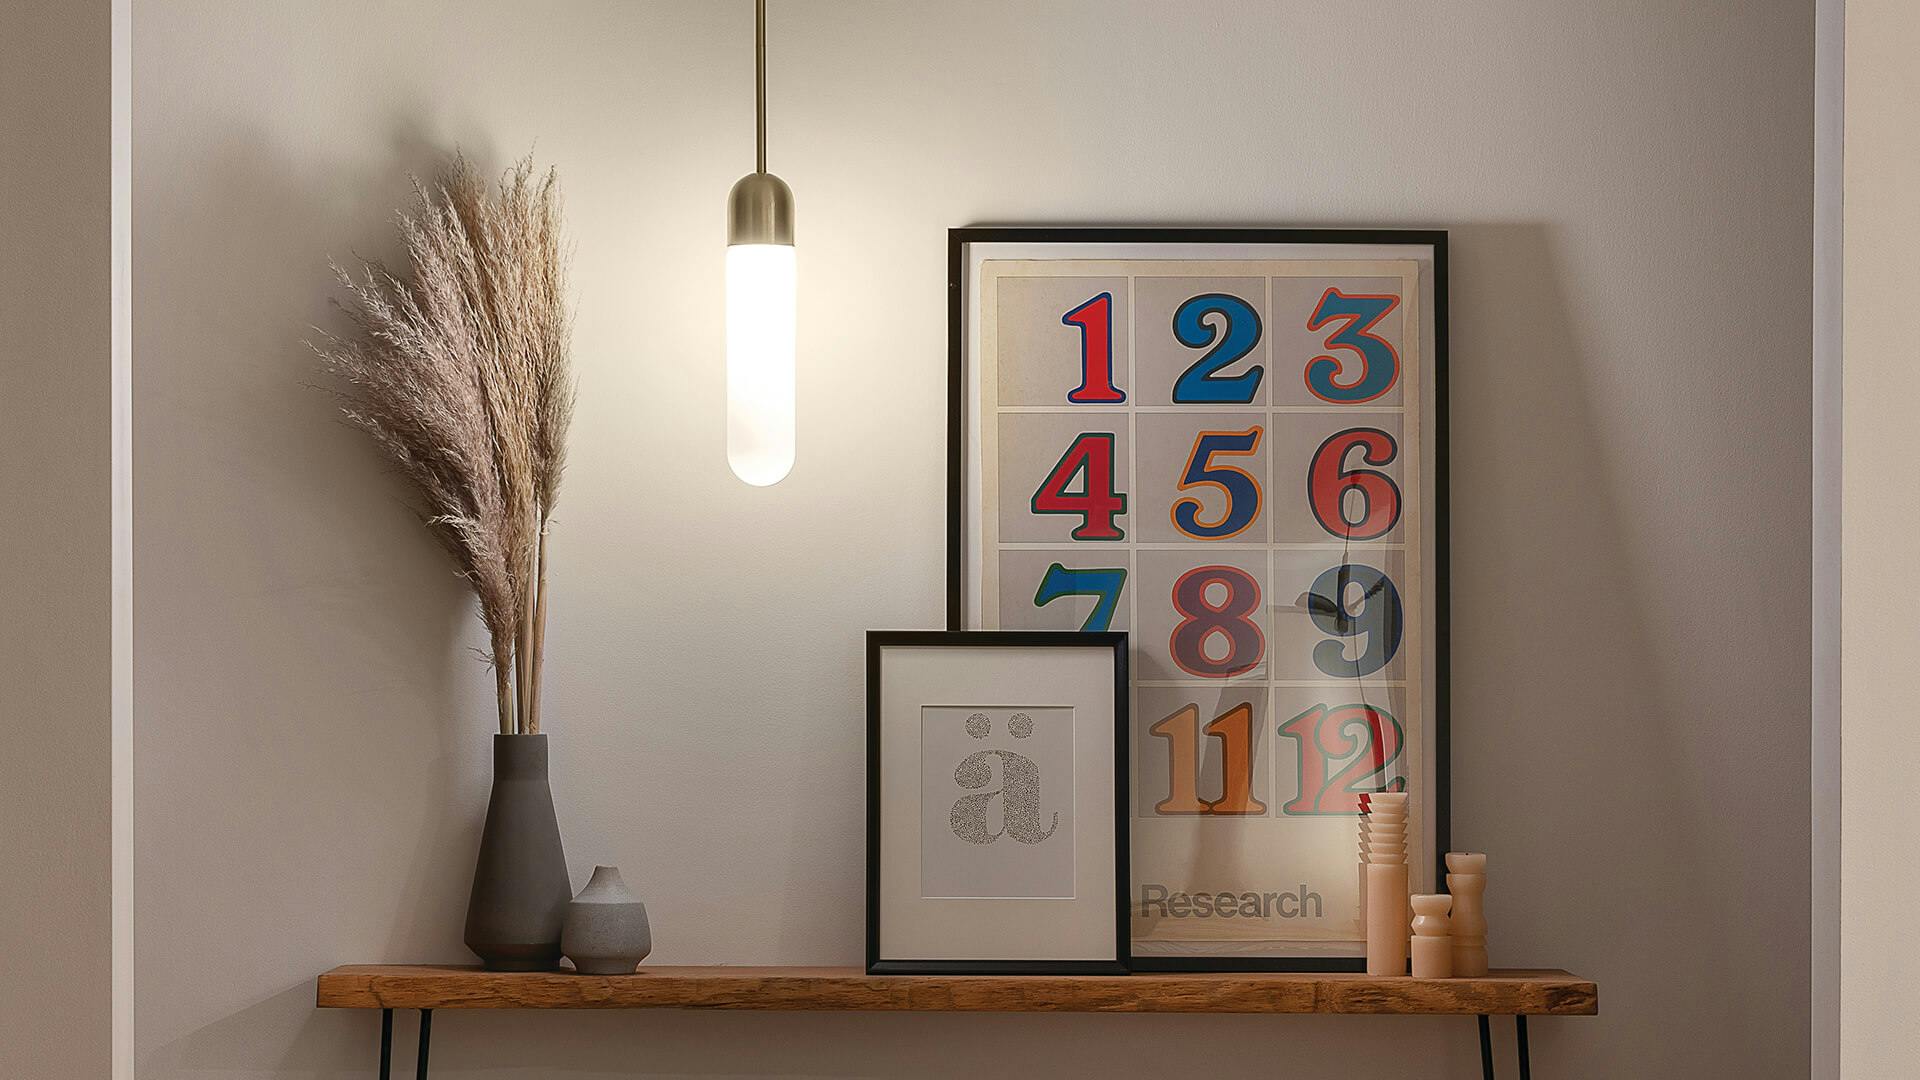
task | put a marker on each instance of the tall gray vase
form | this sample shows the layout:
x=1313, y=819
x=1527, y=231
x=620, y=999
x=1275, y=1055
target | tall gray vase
x=520, y=885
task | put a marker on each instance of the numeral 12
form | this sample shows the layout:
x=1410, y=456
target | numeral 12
x=1323, y=734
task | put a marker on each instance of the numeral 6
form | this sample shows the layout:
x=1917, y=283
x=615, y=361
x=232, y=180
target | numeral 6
x=1329, y=480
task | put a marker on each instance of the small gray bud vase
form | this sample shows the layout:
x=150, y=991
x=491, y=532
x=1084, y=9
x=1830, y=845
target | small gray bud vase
x=520, y=883
x=606, y=931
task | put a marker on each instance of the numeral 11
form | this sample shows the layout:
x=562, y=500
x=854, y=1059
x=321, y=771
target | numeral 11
x=1234, y=729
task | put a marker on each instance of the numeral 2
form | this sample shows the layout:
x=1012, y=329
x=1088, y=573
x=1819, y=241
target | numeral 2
x=1323, y=735
x=1379, y=363
x=1242, y=490
x=1198, y=384
x=1104, y=582
x=1095, y=320
x=1234, y=729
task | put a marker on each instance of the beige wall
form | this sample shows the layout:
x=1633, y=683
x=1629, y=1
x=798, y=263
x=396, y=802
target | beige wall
x=1627, y=185
x=55, y=589
x=1879, y=952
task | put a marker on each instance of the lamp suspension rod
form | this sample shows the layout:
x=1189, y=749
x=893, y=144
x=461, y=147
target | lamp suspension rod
x=760, y=83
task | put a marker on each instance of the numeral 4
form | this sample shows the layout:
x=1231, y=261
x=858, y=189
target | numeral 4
x=1096, y=503
x=1379, y=362
x=1104, y=582
x=1234, y=729
x=1095, y=320
x=1242, y=489
x=1329, y=481
x=1199, y=384
x=1366, y=738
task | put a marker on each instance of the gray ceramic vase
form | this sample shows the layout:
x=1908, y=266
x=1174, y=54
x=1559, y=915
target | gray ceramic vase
x=520, y=884
x=607, y=931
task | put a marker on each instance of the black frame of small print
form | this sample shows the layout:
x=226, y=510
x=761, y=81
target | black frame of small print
x=878, y=641
x=959, y=313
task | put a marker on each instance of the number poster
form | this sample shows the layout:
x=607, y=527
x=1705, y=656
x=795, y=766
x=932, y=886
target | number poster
x=1227, y=444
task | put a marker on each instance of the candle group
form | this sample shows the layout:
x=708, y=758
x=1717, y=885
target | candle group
x=1448, y=936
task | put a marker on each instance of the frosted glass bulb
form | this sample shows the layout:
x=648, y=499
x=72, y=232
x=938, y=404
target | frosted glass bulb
x=760, y=365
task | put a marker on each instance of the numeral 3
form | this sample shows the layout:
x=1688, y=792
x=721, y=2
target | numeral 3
x=1379, y=362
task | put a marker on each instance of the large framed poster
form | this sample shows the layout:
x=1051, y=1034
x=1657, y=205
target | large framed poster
x=1230, y=444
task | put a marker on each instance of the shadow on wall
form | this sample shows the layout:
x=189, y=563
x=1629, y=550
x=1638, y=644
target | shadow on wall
x=310, y=581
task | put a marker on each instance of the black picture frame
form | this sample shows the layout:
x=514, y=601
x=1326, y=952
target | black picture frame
x=958, y=240
x=1116, y=641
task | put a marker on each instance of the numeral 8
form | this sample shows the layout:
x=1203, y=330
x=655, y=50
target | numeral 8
x=1201, y=619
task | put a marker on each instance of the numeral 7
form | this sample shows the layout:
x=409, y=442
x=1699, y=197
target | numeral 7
x=1105, y=583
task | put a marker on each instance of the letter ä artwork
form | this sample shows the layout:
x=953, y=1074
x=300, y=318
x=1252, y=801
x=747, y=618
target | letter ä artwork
x=1019, y=792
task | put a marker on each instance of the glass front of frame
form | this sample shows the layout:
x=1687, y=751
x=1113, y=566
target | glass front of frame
x=1229, y=449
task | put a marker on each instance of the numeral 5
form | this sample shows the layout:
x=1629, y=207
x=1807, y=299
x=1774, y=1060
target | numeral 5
x=1242, y=489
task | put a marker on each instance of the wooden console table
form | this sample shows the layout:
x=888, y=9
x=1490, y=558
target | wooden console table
x=1503, y=993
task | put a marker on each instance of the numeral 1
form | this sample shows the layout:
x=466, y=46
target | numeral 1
x=1234, y=729
x=1095, y=320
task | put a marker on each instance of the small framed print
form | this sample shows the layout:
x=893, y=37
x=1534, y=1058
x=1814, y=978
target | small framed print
x=1231, y=444
x=996, y=803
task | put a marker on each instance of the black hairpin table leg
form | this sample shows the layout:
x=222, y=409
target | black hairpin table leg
x=426, y=1040
x=1486, y=1047
x=386, y=1043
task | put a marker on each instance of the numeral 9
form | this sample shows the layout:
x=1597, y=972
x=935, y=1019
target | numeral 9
x=1377, y=615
